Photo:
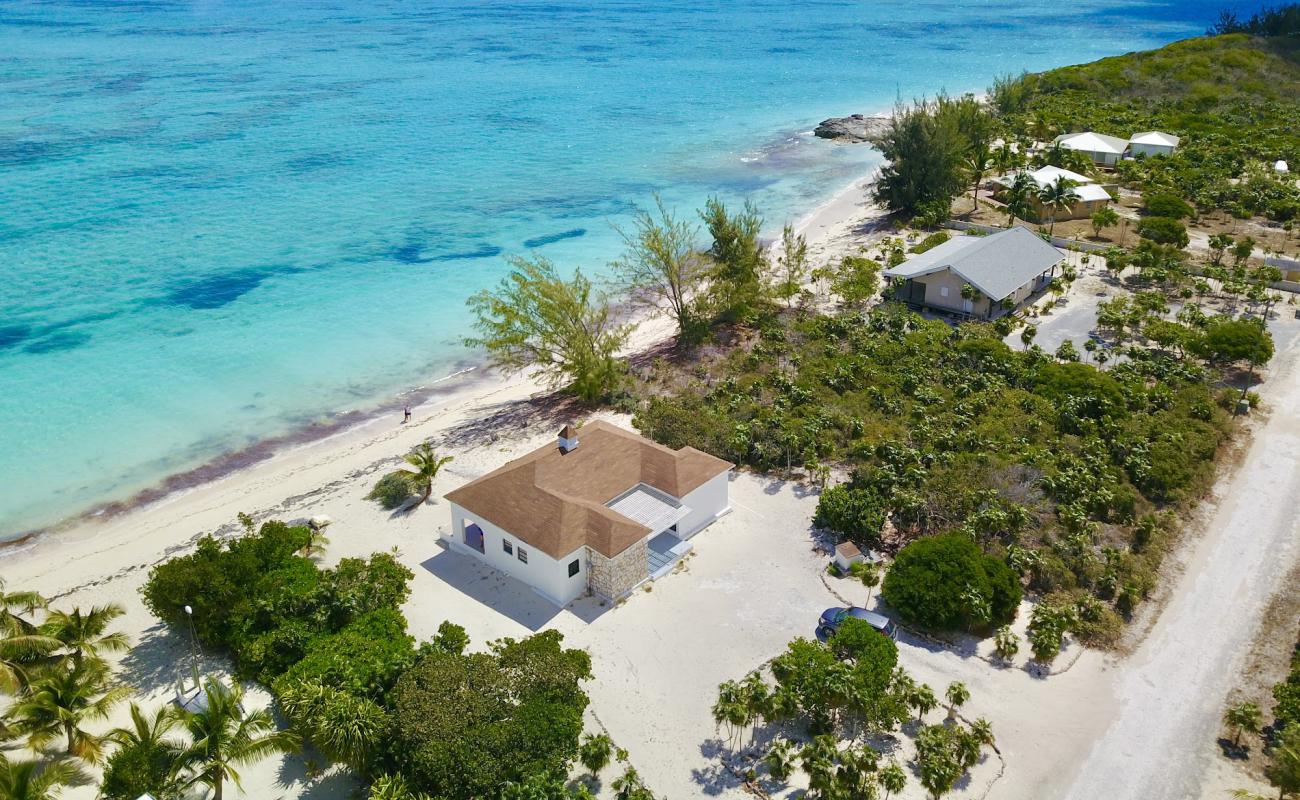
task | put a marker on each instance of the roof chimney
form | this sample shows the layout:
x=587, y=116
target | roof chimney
x=568, y=439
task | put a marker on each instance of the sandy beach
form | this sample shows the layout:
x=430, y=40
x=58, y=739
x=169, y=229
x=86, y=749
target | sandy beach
x=657, y=659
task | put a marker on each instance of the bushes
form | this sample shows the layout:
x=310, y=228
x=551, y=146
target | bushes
x=1163, y=230
x=363, y=659
x=946, y=583
x=139, y=768
x=1164, y=204
x=857, y=280
x=218, y=582
x=856, y=514
x=872, y=653
x=932, y=241
x=332, y=645
x=464, y=725
x=393, y=489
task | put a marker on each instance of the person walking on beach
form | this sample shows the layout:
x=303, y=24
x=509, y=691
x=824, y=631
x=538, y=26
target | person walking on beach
x=406, y=415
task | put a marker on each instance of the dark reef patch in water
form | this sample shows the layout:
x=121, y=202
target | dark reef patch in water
x=219, y=290
x=542, y=241
x=409, y=253
x=14, y=335
x=485, y=251
x=58, y=342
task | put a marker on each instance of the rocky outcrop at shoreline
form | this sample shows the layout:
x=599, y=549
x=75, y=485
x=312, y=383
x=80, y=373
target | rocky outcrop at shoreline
x=855, y=128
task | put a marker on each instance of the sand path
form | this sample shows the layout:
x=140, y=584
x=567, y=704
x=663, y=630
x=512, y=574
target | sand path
x=1171, y=691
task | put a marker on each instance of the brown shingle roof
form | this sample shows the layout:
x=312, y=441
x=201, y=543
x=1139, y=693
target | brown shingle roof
x=555, y=501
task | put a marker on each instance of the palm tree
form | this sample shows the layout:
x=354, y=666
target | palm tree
x=892, y=778
x=22, y=654
x=1242, y=718
x=1055, y=196
x=731, y=710
x=83, y=634
x=148, y=737
x=629, y=786
x=978, y=162
x=982, y=730
x=1019, y=194
x=427, y=464
x=64, y=700
x=225, y=736
x=316, y=542
x=957, y=695
x=28, y=780
x=13, y=602
x=147, y=731
x=595, y=752
x=923, y=700
x=780, y=761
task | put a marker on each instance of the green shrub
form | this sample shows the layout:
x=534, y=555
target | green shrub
x=1164, y=204
x=1163, y=230
x=856, y=514
x=219, y=581
x=138, y=768
x=946, y=583
x=393, y=489
x=932, y=241
x=868, y=649
x=364, y=659
x=464, y=725
x=857, y=280
x=358, y=586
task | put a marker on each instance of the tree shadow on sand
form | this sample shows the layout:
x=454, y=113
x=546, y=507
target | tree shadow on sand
x=158, y=660
x=331, y=782
x=554, y=410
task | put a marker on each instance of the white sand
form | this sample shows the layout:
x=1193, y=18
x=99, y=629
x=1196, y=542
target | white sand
x=752, y=583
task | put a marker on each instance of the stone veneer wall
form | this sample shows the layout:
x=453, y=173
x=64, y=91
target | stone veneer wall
x=611, y=578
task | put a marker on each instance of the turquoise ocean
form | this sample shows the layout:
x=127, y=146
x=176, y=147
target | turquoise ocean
x=226, y=222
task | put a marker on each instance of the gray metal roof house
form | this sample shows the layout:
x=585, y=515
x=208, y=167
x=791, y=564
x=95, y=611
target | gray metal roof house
x=1003, y=270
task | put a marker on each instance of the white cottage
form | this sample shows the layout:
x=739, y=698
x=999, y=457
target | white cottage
x=1101, y=148
x=1152, y=143
x=601, y=510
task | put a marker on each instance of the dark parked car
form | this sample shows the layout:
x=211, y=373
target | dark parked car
x=833, y=618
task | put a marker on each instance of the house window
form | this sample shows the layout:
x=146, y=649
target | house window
x=523, y=554
x=574, y=566
x=506, y=546
x=943, y=291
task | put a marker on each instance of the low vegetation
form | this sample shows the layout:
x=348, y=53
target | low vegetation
x=332, y=645
x=1059, y=471
x=831, y=701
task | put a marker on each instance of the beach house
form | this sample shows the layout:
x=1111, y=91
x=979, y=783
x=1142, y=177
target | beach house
x=600, y=510
x=1102, y=149
x=982, y=277
x=1088, y=194
x=1152, y=143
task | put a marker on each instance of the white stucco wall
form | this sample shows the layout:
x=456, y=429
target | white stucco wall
x=707, y=503
x=1149, y=150
x=546, y=575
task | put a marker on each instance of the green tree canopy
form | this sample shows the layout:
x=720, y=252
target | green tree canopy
x=466, y=724
x=564, y=328
x=739, y=264
x=1236, y=340
x=924, y=150
x=945, y=582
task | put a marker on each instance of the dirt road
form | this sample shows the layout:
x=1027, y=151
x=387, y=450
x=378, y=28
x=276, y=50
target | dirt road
x=1170, y=692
